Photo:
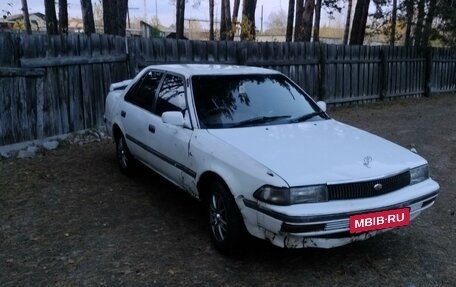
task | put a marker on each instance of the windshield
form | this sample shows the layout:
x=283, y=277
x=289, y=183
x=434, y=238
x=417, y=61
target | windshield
x=226, y=101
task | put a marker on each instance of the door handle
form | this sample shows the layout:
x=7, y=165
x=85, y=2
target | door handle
x=152, y=129
x=123, y=114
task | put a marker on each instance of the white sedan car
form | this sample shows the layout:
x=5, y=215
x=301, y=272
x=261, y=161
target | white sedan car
x=264, y=157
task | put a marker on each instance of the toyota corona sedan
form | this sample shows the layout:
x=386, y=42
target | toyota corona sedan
x=264, y=157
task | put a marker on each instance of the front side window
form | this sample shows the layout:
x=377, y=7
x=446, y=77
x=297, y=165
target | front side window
x=144, y=93
x=171, y=96
x=227, y=101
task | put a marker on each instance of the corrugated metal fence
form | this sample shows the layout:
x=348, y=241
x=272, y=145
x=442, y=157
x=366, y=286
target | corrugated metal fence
x=52, y=85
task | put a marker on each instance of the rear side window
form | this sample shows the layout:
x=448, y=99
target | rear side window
x=144, y=94
x=171, y=96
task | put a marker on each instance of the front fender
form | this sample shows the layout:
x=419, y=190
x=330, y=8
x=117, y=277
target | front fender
x=242, y=174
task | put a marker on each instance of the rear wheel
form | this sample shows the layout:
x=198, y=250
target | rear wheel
x=124, y=158
x=225, y=221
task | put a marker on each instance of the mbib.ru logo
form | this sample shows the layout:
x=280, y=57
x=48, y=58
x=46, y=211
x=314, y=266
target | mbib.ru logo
x=379, y=220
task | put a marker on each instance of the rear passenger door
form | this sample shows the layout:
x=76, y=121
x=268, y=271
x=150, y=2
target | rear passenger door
x=136, y=109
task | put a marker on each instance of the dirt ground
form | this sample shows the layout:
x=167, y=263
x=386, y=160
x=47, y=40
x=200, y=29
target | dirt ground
x=69, y=218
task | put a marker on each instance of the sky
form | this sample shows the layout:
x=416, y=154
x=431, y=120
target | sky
x=166, y=11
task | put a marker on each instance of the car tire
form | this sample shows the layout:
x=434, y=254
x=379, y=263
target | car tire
x=125, y=160
x=226, y=226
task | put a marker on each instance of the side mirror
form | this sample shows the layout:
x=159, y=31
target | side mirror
x=173, y=118
x=322, y=105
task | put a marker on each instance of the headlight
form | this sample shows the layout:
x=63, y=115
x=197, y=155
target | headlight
x=419, y=174
x=308, y=194
x=273, y=195
x=294, y=195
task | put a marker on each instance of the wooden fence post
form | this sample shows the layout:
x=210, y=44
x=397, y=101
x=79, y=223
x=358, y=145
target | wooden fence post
x=428, y=73
x=383, y=74
x=241, y=53
x=40, y=107
x=321, y=71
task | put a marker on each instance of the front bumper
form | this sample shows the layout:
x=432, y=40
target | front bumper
x=331, y=229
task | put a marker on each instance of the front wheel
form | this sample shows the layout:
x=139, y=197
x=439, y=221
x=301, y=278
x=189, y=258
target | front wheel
x=227, y=228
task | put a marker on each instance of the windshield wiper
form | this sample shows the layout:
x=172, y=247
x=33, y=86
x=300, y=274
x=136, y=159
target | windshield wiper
x=258, y=120
x=309, y=116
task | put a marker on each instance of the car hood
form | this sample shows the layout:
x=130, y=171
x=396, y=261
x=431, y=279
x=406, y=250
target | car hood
x=319, y=152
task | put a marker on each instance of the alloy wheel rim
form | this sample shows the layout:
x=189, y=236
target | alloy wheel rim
x=122, y=154
x=217, y=216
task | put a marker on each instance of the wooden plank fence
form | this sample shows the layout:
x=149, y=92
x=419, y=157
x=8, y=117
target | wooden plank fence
x=56, y=85
x=52, y=85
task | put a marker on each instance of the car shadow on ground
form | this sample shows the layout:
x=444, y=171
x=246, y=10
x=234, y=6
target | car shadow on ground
x=355, y=262
x=179, y=205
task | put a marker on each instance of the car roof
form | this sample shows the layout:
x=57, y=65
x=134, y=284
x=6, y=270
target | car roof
x=189, y=70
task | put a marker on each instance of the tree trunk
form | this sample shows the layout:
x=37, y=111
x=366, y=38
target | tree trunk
x=180, y=14
x=307, y=19
x=409, y=16
x=236, y=5
x=234, y=20
x=63, y=17
x=316, y=33
x=419, y=23
x=225, y=20
x=211, y=20
x=298, y=33
x=51, y=17
x=359, y=22
x=28, y=28
x=228, y=20
x=122, y=10
x=428, y=24
x=109, y=17
x=223, y=28
x=290, y=19
x=393, y=23
x=248, y=20
x=115, y=16
x=107, y=11
x=87, y=17
x=232, y=31
x=348, y=21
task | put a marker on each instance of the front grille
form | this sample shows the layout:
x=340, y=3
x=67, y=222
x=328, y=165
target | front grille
x=366, y=188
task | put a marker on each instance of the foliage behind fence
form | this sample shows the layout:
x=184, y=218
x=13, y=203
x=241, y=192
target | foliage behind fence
x=51, y=85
